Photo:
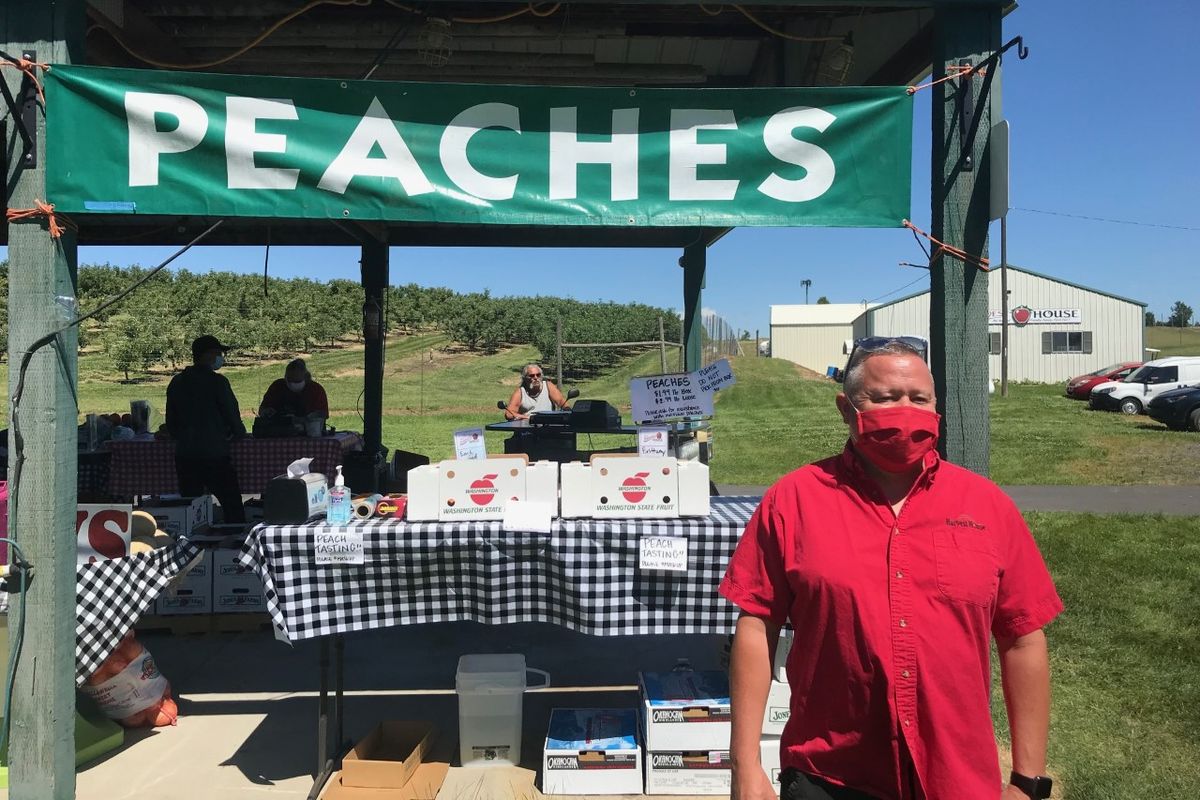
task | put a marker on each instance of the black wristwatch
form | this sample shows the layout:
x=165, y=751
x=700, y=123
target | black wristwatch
x=1037, y=788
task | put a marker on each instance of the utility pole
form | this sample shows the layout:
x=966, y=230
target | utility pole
x=806, y=283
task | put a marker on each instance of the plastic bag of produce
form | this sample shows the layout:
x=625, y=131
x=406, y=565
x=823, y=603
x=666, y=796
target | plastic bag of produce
x=129, y=688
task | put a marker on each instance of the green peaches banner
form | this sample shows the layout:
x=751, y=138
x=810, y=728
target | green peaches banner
x=142, y=142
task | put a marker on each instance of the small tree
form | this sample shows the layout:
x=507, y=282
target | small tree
x=822, y=300
x=1181, y=315
x=1149, y=319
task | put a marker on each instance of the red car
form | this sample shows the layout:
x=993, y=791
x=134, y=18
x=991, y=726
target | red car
x=1080, y=388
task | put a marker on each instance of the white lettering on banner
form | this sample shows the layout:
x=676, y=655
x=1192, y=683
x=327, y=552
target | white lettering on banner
x=242, y=141
x=453, y=150
x=686, y=154
x=819, y=167
x=147, y=142
x=354, y=160
x=663, y=553
x=567, y=153
x=338, y=546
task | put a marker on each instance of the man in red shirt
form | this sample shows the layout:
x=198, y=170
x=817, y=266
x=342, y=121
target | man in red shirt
x=296, y=393
x=894, y=567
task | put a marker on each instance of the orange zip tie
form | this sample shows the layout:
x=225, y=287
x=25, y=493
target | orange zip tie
x=956, y=71
x=30, y=70
x=949, y=249
x=57, y=222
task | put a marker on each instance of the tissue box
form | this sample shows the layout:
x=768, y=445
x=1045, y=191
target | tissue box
x=294, y=500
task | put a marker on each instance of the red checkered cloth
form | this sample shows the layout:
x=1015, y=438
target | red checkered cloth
x=148, y=467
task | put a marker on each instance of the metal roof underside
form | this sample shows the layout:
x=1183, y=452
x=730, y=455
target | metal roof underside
x=666, y=44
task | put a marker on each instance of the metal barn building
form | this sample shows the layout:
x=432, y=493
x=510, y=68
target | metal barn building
x=1057, y=329
x=814, y=336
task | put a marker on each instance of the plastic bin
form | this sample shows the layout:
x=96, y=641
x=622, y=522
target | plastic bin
x=491, y=690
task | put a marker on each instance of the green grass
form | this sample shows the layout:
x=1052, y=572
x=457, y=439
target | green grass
x=1174, y=341
x=773, y=420
x=1124, y=655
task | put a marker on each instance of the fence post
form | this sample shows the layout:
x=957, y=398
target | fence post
x=662, y=345
x=558, y=340
x=757, y=345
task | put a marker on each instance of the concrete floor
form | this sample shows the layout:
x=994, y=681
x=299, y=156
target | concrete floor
x=248, y=707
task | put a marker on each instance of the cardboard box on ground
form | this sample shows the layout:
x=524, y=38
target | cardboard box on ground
x=592, y=751
x=685, y=719
x=397, y=760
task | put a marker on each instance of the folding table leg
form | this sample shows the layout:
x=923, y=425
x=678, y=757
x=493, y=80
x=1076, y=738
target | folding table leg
x=339, y=645
x=324, y=762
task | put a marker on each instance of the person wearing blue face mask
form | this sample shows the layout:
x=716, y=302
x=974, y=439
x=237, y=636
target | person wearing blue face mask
x=203, y=417
x=296, y=393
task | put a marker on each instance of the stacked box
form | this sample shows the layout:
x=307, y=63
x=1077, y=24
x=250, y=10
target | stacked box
x=685, y=727
x=192, y=593
x=236, y=589
x=180, y=516
x=592, y=751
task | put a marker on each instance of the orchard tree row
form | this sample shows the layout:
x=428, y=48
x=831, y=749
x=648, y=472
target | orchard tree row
x=153, y=328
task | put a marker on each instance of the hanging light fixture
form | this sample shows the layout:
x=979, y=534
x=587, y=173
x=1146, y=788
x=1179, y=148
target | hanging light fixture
x=836, y=63
x=435, y=42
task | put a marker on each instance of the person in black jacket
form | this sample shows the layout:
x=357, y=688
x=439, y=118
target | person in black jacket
x=202, y=417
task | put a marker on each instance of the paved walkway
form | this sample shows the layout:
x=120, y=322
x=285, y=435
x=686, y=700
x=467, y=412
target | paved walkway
x=1173, y=500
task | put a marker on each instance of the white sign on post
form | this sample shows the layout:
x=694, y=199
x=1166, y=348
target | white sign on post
x=653, y=441
x=469, y=444
x=338, y=546
x=659, y=398
x=715, y=376
x=663, y=553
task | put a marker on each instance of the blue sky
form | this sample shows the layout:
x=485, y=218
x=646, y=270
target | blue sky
x=1104, y=118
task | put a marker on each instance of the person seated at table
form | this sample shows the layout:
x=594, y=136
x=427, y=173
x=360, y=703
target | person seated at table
x=296, y=393
x=534, y=394
x=202, y=417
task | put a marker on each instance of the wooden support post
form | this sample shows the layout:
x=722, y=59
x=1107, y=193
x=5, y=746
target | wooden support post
x=375, y=283
x=960, y=198
x=41, y=298
x=693, y=263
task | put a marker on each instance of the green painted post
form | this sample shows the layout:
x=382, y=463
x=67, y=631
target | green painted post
x=693, y=263
x=41, y=294
x=960, y=197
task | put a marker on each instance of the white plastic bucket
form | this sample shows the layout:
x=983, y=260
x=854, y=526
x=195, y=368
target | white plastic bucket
x=491, y=690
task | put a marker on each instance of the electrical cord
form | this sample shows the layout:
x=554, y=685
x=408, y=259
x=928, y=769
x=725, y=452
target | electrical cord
x=15, y=651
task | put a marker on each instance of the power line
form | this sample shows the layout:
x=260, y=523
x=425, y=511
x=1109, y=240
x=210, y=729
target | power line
x=1106, y=219
x=894, y=291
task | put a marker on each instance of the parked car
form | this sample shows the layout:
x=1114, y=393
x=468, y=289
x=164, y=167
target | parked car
x=1081, y=387
x=1148, y=381
x=1178, y=409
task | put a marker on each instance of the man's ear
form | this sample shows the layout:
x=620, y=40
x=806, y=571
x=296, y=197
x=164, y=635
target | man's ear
x=845, y=409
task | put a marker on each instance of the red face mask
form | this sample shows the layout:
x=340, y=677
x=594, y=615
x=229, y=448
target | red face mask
x=896, y=438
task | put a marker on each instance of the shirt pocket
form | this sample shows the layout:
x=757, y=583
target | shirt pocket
x=968, y=570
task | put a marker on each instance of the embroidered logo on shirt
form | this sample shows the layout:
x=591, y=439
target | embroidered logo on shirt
x=963, y=521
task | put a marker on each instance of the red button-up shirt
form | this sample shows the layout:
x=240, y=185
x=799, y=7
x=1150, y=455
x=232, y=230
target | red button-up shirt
x=892, y=616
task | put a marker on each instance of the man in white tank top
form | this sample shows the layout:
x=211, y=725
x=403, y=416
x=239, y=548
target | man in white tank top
x=534, y=394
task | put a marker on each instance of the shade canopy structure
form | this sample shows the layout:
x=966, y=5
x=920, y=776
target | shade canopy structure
x=630, y=45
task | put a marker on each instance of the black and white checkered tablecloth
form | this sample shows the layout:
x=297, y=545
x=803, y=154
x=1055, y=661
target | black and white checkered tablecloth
x=112, y=595
x=583, y=575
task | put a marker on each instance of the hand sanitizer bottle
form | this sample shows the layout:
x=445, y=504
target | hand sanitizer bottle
x=339, y=501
